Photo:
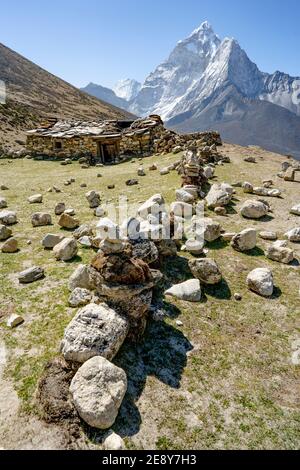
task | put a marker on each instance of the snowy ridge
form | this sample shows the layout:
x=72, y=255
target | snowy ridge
x=127, y=89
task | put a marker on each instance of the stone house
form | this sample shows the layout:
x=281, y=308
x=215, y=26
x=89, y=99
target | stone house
x=108, y=141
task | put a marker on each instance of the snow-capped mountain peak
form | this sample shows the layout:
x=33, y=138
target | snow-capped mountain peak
x=202, y=64
x=127, y=89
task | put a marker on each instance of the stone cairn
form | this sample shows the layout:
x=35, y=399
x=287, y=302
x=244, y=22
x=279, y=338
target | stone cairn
x=191, y=171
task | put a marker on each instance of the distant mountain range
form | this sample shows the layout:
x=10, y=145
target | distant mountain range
x=209, y=83
x=34, y=93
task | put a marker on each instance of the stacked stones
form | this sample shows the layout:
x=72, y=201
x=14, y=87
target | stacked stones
x=289, y=170
x=123, y=281
x=168, y=141
x=191, y=171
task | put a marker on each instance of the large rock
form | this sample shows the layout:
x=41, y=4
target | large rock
x=293, y=235
x=182, y=209
x=93, y=198
x=68, y=222
x=10, y=246
x=60, y=208
x=189, y=291
x=206, y=270
x=35, y=199
x=97, y=390
x=295, y=209
x=184, y=196
x=265, y=192
x=3, y=203
x=145, y=250
x=289, y=174
x=280, y=254
x=8, y=217
x=96, y=330
x=265, y=235
x=261, y=282
x=5, y=232
x=247, y=187
x=80, y=297
x=66, y=249
x=219, y=195
x=194, y=247
x=31, y=275
x=154, y=206
x=51, y=240
x=245, y=240
x=84, y=230
x=82, y=277
x=252, y=209
x=41, y=219
x=207, y=227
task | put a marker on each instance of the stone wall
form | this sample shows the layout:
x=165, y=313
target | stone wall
x=137, y=144
x=75, y=146
x=155, y=140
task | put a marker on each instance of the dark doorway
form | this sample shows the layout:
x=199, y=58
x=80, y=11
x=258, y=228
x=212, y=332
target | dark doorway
x=108, y=152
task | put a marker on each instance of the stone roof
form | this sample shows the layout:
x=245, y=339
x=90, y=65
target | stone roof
x=72, y=128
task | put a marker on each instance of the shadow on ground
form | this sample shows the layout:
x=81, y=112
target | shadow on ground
x=162, y=354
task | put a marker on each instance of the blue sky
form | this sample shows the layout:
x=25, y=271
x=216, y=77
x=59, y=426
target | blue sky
x=102, y=41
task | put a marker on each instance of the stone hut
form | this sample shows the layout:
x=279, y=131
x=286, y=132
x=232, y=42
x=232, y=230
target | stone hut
x=108, y=141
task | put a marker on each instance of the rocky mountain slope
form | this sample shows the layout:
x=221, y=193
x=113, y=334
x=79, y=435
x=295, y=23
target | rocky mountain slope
x=34, y=93
x=105, y=94
x=127, y=89
x=122, y=94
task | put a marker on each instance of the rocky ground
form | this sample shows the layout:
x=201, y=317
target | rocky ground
x=217, y=374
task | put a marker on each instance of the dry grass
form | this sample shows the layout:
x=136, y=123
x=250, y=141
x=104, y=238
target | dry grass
x=223, y=380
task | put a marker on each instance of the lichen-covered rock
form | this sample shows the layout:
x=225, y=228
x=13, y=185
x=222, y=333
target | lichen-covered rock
x=212, y=229
x=245, y=240
x=184, y=196
x=5, y=232
x=80, y=297
x=3, y=203
x=51, y=240
x=206, y=270
x=252, y=209
x=261, y=282
x=145, y=250
x=280, y=254
x=94, y=199
x=96, y=330
x=82, y=277
x=154, y=205
x=293, y=235
x=66, y=249
x=97, y=390
x=295, y=210
x=35, y=199
x=41, y=219
x=68, y=222
x=8, y=217
x=190, y=291
x=31, y=275
x=219, y=196
x=59, y=208
x=10, y=246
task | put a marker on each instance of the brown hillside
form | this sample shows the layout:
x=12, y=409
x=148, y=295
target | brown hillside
x=33, y=93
